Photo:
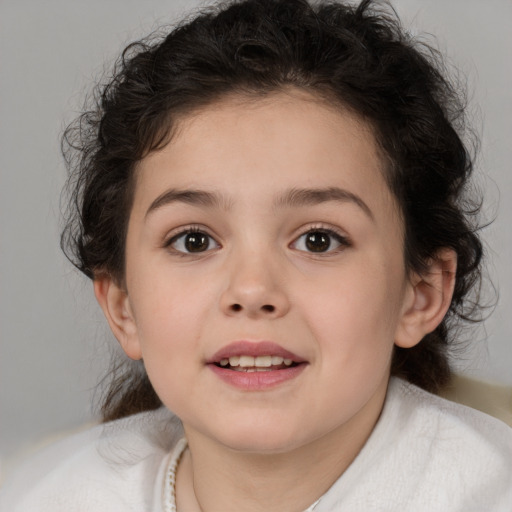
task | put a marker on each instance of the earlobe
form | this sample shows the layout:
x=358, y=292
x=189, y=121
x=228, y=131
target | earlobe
x=428, y=299
x=116, y=307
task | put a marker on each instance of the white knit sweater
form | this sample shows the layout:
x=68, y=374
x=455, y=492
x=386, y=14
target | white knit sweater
x=425, y=455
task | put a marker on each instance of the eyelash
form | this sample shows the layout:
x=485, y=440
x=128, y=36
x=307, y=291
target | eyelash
x=342, y=241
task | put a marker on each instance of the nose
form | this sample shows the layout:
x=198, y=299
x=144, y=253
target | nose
x=255, y=289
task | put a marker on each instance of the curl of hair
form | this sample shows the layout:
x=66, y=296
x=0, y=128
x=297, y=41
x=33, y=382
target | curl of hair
x=356, y=57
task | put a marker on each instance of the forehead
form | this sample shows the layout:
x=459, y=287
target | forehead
x=262, y=146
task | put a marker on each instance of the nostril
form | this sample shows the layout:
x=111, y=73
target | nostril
x=267, y=308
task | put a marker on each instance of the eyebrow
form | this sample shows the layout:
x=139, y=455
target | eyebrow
x=313, y=196
x=193, y=197
x=294, y=197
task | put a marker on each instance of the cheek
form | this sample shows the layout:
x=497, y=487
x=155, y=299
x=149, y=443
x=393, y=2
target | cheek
x=169, y=331
x=167, y=301
x=170, y=312
x=358, y=311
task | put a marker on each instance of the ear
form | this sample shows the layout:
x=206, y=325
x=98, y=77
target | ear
x=116, y=306
x=427, y=300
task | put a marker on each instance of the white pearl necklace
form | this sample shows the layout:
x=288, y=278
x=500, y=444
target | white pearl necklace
x=170, y=479
x=170, y=476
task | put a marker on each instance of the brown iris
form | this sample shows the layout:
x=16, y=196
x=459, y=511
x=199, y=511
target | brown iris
x=196, y=242
x=317, y=241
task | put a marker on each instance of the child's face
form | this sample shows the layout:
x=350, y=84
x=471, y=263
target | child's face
x=267, y=222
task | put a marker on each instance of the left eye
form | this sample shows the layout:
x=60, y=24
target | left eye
x=193, y=242
x=319, y=241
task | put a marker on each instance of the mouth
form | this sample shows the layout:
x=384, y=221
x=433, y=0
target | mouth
x=256, y=366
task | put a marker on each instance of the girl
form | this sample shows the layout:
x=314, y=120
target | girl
x=272, y=203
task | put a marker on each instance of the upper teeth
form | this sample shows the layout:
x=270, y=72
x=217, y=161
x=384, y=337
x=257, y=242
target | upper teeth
x=260, y=361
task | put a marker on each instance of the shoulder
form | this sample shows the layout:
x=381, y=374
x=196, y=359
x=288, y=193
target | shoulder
x=431, y=413
x=458, y=450
x=426, y=453
x=109, y=467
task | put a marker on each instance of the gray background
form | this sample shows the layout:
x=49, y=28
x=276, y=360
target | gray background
x=54, y=342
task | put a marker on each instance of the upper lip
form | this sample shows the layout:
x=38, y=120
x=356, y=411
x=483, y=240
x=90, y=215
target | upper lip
x=254, y=349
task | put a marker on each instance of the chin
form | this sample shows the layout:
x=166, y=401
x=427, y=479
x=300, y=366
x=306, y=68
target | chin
x=258, y=440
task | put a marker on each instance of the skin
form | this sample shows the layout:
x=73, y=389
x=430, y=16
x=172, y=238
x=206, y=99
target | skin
x=341, y=310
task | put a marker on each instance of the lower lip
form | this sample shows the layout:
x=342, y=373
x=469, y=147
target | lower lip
x=257, y=381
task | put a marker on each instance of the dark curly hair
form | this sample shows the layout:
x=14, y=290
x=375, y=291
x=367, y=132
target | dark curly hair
x=356, y=57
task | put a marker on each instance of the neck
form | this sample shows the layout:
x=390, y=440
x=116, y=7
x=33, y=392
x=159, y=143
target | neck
x=213, y=477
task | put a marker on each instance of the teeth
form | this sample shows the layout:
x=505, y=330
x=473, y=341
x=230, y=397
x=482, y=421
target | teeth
x=263, y=361
x=245, y=361
x=259, y=362
x=234, y=360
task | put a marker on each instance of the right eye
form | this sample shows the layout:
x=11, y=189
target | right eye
x=192, y=242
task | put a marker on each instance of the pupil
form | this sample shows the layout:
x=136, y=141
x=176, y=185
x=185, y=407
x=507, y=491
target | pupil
x=318, y=241
x=196, y=242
